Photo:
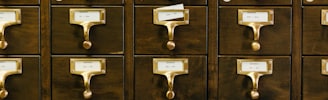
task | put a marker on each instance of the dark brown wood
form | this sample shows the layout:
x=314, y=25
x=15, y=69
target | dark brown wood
x=256, y=2
x=191, y=86
x=236, y=39
x=171, y=2
x=24, y=38
x=296, y=84
x=86, y=2
x=212, y=65
x=129, y=50
x=19, y=2
x=66, y=86
x=315, y=35
x=45, y=50
x=68, y=38
x=152, y=39
x=27, y=84
x=314, y=83
x=271, y=87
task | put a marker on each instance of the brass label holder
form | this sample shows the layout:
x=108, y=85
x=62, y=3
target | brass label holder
x=170, y=67
x=256, y=19
x=87, y=67
x=324, y=15
x=324, y=67
x=254, y=68
x=170, y=25
x=8, y=17
x=8, y=66
x=87, y=17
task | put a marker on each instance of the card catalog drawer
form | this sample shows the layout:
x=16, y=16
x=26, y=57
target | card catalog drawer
x=315, y=2
x=188, y=86
x=255, y=2
x=275, y=86
x=106, y=38
x=66, y=85
x=19, y=2
x=273, y=39
x=87, y=2
x=152, y=39
x=166, y=2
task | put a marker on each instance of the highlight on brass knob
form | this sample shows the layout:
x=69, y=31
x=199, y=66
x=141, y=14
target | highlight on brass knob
x=170, y=25
x=87, y=17
x=254, y=69
x=8, y=66
x=256, y=19
x=309, y=0
x=170, y=67
x=8, y=17
x=87, y=67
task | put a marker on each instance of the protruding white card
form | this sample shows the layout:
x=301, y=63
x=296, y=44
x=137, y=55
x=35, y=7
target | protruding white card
x=9, y=65
x=255, y=17
x=171, y=15
x=87, y=16
x=170, y=66
x=7, y=16
x=254, y=66
x=87, y=66
x=326, y=16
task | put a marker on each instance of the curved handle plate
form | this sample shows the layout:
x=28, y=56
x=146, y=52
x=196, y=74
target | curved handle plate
x=87, y=18
x=170, y=67
x=170, y=25
x=254, y=68
x=87, y=67
x=8, y=66
x=8, y=17
x=255, y=18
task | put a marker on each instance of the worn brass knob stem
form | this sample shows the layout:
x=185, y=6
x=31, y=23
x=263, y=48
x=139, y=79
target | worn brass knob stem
x=86, y=33
x=255, y=81
x=170, y=28
x=87, y=94
x=170, y=81
x=3, y=42
x=256, y=46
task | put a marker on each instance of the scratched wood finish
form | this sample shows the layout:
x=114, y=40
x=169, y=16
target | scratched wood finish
x=152, y=39
x=66, y=86
x=315, y=35
x=236, y=39
x=191, y=86
x=314, y=83
x=27, y=84
x=171, y=2
x=256, y=2
x=24, y=38
x=271, y=87
x=68, y=38
x=87, y=2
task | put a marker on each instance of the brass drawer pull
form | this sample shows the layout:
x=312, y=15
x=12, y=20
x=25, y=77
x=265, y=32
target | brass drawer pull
x=9, y=66
x=9, y=17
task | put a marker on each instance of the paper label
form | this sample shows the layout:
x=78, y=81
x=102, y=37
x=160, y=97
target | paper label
x=87, y=66
x=255, y=16
x=8, y=16
x=254, y=66
x=326, y=16
x=170, y=66
x=8, y=65
x=171, y=15
x=87, y=16
x=326, y=66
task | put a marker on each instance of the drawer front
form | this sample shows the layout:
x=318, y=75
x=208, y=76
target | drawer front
x=315, y=2
x=19, y=2
x=23, y=38
x=106, y=38
x=191, y=86
x=167, y=2
x=315, y=35
x=233, y=86
x=237, y=39
x=152, y=39
x=26, y=84
x=87, y=2
x=255, y=2
x=67, y=86
x=314, y=83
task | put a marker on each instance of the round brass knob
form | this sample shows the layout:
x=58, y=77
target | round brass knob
x=170, y=45
x=255, y=94
x=170, y=94
x=256, y=46
x=87, y=94
x=87, y=44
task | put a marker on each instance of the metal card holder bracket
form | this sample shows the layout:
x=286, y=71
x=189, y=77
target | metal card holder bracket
x=87, y=17
x=170, y=67
x=87, y=67
x=254, y=68
x=8, y=66
x=170, y=25
x=8, y=17
x=256, y=19
x=324, y=15
x=324, y=67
